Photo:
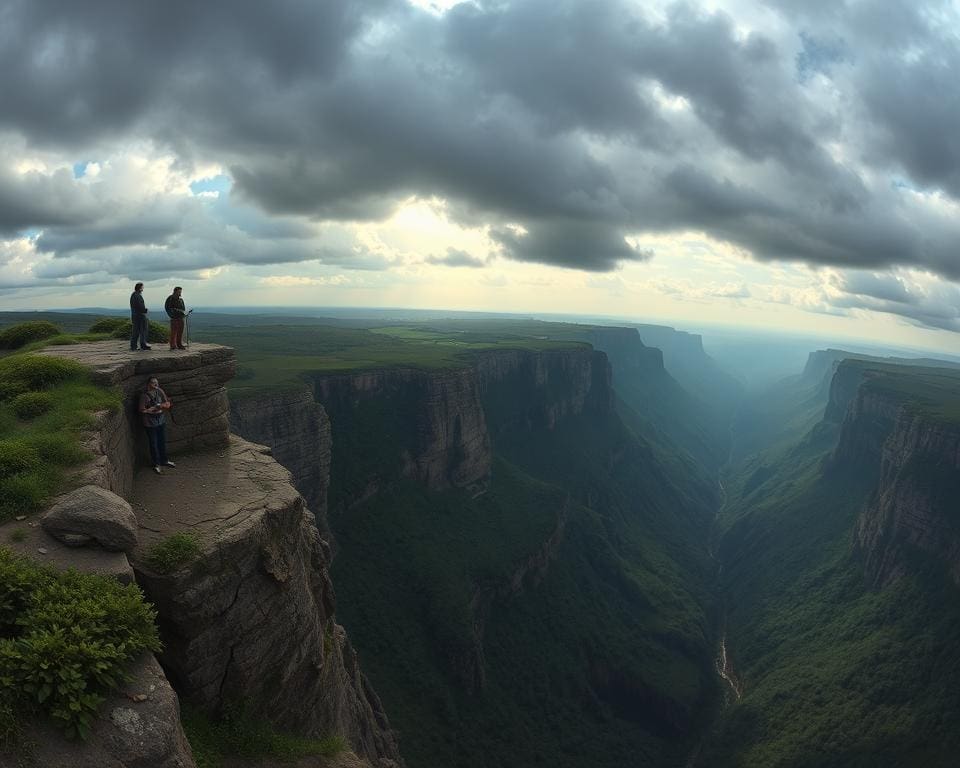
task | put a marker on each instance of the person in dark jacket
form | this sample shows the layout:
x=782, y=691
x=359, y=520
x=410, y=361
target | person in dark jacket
x=138, y=319
x=153, y=408
x=177, y=311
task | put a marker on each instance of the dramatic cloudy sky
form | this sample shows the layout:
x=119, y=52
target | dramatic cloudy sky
x=780, y=163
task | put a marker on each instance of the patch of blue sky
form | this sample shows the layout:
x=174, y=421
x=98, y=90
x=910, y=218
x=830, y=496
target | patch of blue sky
x=219, y=184
x=80, y=169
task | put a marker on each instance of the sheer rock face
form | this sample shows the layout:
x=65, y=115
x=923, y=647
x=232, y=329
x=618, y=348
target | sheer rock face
x=252, y=617
x=915, y=508
x=439, y=413
x=298, y=432
x=526, y=390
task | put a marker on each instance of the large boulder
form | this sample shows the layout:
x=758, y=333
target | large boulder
x=92, y=515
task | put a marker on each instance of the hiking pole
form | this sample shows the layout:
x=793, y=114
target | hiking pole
x=186, y=328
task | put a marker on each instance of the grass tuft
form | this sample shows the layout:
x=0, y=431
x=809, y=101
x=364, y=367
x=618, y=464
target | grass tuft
x=173, y=552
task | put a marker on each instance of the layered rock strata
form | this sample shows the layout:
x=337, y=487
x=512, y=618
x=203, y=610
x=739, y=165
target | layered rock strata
x=194, y=380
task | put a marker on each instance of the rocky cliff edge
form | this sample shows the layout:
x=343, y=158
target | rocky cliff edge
x=251, y=617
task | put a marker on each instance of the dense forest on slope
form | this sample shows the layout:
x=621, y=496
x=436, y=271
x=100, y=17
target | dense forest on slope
x=837, y=671
x=599, y=655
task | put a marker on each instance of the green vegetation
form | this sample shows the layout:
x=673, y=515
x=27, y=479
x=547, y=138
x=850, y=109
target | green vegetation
x=157, y=333
x=46, y=404
x=600, y=656
x=19, y=335
x=29, y=405
x=931, y=392
x=173, y=552
x=65, y=639
x=238, y=734
x=110, y=325
x=835, y=673
x=278, y=356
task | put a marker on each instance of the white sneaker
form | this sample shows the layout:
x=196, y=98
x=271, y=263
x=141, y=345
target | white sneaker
x=170, y=464
x=158, y=470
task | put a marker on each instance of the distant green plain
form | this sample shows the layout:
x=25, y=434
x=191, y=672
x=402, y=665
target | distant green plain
x=281, y=356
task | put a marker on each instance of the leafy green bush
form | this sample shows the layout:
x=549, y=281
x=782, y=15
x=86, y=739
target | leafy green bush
x=110, y=325
x=65, y=639
x=17, y=335
x=24, y=373
x=173, y=552
x=238, y=734
x=157, y=333
x=29, y=405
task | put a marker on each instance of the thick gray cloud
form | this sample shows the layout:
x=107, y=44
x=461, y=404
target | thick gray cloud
x=581, y=123
x=931, y=307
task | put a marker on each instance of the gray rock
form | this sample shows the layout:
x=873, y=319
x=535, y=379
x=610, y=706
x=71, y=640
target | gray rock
x=95, y=512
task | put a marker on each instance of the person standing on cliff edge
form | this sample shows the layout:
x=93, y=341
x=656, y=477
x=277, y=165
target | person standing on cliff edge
x=153, y=408
x=176, y=309
x=138, y=319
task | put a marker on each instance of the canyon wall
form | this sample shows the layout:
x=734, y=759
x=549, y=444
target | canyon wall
x=912, y=518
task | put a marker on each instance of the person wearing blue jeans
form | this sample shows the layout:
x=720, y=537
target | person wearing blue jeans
x=138, y=319
x=154, y=405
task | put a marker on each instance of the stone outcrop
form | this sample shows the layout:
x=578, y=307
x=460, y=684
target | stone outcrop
x=251, y=618
x=194, y=380
x=92, y=514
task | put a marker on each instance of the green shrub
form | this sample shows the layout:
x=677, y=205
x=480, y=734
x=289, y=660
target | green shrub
x=24, y=493
x=238, y=734
x=24, y=373
x=57, y=448
x=17, y=457
x=29, y=405
x=110, y=325
x=65, y=639
x=173, y=552
x=17, y=335
x=157, y=333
